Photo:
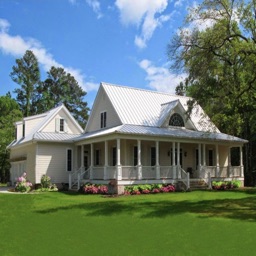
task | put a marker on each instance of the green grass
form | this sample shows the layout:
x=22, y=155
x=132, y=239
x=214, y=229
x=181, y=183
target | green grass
x=196, y=223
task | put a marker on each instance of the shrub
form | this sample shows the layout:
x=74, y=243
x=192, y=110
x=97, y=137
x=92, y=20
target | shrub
x=46, y=184
x=94, y=189
x=45, y=181
x=146, y=189
x=22, y=185
x=224, y=185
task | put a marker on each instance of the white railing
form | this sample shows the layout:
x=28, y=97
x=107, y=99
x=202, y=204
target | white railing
x=166, y=172
x=111, y=172
x=211, y=170
x=185, y=177
x=234, y=171
x=148, y=172
x=129, y=172
x=76, y=177
x=223, y=172
x=97, y=173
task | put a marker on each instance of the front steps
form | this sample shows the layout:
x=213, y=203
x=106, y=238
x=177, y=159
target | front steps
x=198, y=185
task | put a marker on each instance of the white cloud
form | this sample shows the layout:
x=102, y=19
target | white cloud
x=95, y=5
x=147, y=15
x=17, y=46
x=160, y=78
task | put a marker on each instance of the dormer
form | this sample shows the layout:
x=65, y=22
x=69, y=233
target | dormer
x=173, y=115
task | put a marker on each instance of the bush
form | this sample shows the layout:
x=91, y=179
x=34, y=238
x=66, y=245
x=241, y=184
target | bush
x=45, y=181
x=22, y=184
x=146, y=189
x=224, y=185
x=46, y=184
x=94, y=189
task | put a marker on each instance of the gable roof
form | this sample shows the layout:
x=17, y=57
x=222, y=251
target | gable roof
x=144, y=107
x=47, y=117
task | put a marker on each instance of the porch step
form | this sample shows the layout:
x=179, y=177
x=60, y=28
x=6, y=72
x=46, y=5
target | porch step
x=198, y=185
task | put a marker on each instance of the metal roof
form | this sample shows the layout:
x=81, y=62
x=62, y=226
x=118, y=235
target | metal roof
x=162, y=132
x=144, y=107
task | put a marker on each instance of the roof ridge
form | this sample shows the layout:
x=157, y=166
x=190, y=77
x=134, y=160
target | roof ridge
x=145, y=90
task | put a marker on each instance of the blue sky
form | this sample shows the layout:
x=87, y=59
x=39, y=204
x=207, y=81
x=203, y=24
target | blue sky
x=116, y=41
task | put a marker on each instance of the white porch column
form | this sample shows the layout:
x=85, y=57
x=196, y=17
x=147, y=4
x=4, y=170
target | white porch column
x=204, y=156
x=241, y=162
x=217, y=171
x=92, y=161
x=178, y=160
x=139, y=167
x=199, y=158
x=106, y=160
x=173, y=161
x=119, y=167
x=157, y=161
x=82, y=156
x=229, y=163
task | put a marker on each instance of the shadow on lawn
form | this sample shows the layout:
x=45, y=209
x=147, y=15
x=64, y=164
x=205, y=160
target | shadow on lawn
x=241, y=209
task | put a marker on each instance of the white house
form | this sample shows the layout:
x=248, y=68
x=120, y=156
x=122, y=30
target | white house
x=133, y=136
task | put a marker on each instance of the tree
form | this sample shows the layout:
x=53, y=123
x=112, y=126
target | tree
x=10, y=113
x=220, y=60
x=26, y=73
x=60, y=86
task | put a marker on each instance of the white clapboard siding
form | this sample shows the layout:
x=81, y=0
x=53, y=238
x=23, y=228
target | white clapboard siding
x=51, y=160
x=102, y=104
x=28, y=152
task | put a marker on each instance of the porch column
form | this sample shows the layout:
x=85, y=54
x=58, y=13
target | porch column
x=106, y=160
x=204, y=158
x=241, y=162
x=92, y=161
x=82, y=156
x=178, y=160
x=119, y=167
x=173, y=161
x=217, y=171
x=157, y=161
x=229, y=163
x=199, y=159
x=139, y=167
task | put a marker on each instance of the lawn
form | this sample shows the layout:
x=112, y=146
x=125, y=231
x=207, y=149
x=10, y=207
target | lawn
x=192, y=223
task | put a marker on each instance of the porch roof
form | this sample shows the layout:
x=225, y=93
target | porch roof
x=165, y=132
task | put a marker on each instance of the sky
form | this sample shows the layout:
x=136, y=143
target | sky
x=121, y=42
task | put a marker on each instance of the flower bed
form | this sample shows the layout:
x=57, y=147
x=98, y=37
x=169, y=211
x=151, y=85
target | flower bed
x=225, y=185
x=94, y=189
x=22, y=184
x=149, y=189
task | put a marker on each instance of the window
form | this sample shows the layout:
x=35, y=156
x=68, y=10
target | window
x=69, y=160
x=135, y=155
x=176, y=120
x=153, y=156
x=210, y=157
x=23, y=130
x=62, y=125
x=103, y=119
x=97, y=157
x=114, y=156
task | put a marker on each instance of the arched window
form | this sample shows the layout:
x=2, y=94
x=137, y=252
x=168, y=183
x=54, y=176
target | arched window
x=176, y=120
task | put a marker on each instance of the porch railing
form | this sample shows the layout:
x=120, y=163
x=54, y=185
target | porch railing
x=76, y=177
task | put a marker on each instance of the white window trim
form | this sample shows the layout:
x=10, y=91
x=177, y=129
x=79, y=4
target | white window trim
x=57, y=125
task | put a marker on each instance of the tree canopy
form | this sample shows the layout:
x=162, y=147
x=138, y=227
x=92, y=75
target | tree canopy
x=216, y=47
x=10, y=113
x=26, y=73
x=35, y=96
x=60, y=86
